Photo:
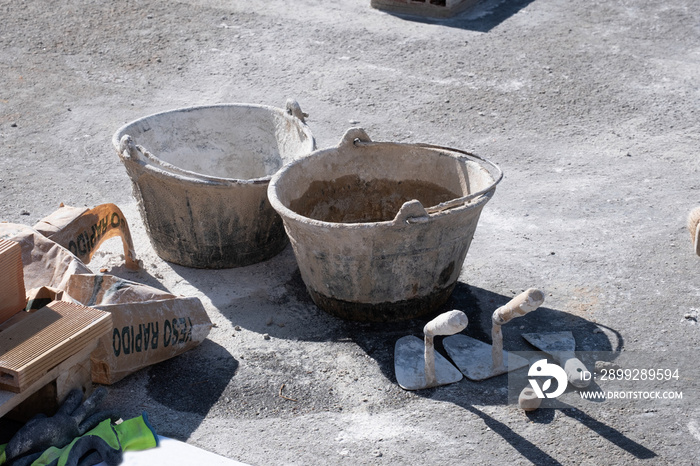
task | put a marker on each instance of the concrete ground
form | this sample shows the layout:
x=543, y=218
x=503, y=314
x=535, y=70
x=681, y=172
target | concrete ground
x=590, y=108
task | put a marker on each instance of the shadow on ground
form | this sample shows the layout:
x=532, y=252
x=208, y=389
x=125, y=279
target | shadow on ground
x=483, y=17
x=469, y=394
x=190, y=385
x=378, y=340
x=292, y=305
x=185, y=384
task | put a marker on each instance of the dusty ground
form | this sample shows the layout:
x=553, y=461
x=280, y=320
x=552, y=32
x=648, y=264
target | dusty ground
x=590, y=108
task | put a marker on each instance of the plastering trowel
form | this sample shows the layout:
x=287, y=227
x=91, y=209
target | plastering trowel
x=561, y=346
x=415, y=363
x=478, y=360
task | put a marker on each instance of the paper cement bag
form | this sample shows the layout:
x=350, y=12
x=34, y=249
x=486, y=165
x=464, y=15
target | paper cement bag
x=45, y=262
x=150, y=325
x=82, y=230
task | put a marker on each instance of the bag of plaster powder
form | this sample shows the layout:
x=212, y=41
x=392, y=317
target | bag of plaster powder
x=150, y=325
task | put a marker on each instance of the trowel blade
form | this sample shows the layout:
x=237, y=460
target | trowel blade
x=474, y=358
x=551, y=343
x=409, y=365
x=561, y=346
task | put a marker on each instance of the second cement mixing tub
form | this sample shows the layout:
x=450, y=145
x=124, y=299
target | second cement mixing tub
x=380, y=230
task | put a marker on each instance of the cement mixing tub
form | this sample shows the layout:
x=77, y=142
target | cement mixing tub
x=200, y=176
x=366, y=246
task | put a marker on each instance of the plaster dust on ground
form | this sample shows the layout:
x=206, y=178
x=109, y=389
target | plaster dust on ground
x=591, y=110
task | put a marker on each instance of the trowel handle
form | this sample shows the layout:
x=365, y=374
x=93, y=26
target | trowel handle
x=448, y=323
x=293, y=108
x=694, y=228
x=575, y=369
x=525, y=302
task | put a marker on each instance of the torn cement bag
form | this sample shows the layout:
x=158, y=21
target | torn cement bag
x=36, y=299
x=82, y=230
x=45, y=263
x=150, y=325
x=40, y=297
x=170, y=324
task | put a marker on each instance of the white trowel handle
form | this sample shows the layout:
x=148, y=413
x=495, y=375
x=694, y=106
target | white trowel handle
x=575, y=369
x=525, y=302
x=447, y=323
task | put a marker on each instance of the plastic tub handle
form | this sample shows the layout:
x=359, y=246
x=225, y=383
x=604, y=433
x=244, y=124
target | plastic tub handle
x=412, y=212
x=127, y=148
x=352, y=135
x=294, y=109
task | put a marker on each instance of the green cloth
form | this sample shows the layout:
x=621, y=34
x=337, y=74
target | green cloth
x=107, y=438
x=137, y=434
